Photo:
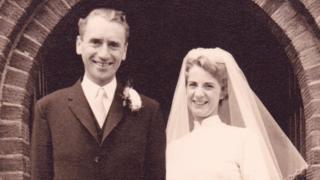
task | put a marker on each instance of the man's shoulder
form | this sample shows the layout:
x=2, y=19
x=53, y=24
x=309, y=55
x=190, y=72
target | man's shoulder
x=55, y=96
x=148, y=101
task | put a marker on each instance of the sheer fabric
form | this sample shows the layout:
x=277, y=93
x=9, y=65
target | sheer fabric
x=242, y=108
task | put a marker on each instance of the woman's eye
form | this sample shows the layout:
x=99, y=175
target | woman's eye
x=209, y=86
x=192, y=84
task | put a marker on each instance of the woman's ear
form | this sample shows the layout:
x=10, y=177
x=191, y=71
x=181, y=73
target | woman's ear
x=224, y=92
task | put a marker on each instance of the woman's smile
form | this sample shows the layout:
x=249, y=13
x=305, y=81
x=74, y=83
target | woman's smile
x=203, y=93
x=197, y=102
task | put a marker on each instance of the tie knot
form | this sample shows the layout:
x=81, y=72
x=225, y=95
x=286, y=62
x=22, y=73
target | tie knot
x=102, y=94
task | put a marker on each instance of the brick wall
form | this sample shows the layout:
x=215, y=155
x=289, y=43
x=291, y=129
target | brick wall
x=25, y=24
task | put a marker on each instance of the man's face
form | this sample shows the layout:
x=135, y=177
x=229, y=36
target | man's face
x=102, y=47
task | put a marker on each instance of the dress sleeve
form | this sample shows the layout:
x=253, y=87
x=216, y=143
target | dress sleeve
x=252, y=164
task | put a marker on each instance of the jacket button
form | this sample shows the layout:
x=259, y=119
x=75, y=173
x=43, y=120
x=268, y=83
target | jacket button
x=97, y=159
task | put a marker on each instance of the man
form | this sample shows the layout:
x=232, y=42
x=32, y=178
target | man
x=93, y=130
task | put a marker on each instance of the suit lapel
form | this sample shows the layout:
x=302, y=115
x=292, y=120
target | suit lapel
x=81, y=109
x=115, y=113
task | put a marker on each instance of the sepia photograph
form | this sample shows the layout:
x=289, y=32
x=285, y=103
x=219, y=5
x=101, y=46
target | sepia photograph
x=160, y=90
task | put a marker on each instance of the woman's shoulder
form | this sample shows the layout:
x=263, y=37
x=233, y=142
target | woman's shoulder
x=239, y=132
x=235, y=129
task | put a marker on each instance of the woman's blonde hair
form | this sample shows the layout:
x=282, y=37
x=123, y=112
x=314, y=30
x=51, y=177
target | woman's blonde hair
x=216, y=69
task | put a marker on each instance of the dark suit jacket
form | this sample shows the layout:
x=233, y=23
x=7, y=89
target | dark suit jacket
x=66, y=145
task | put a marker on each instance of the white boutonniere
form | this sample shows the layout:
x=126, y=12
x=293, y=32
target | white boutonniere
x=132, y=99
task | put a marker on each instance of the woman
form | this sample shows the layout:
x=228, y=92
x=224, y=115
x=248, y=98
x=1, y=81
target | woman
x=212, y=90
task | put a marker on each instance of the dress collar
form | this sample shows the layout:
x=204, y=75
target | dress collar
x=208, y=122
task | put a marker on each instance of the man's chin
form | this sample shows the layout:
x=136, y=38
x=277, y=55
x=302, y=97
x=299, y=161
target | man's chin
x=104, y=80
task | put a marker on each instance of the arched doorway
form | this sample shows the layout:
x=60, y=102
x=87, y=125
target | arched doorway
x=26, y=25
x=162, y=34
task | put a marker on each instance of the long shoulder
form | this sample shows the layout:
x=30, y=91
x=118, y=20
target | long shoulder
x=151, y=107
x=149, y=102
x=239, y=132
x=55, y=97
x=246, y=135
x=236, y=129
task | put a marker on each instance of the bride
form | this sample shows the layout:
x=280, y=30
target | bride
x=212, y=92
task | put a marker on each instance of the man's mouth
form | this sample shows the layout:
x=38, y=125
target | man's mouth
x=102, y=64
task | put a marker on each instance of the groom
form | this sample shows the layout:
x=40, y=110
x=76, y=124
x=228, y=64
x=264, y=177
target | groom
x=98, y=129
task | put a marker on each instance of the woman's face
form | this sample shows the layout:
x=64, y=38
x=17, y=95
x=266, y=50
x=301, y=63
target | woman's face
x=203, y=93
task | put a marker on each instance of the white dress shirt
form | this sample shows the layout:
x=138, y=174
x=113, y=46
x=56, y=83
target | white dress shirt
x=91, y=89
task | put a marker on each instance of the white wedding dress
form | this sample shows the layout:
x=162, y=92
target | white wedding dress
x=259, y=150
x=216, y=151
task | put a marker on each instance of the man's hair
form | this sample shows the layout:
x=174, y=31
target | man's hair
x=111, y=15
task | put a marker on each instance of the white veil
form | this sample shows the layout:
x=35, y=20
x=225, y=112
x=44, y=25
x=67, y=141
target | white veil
x=242, y=108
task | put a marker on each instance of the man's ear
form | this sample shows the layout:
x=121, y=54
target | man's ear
x=124, y=55
x=78, y=45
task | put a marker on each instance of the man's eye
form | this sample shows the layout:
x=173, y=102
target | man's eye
x=95, y=42
x=114, y=44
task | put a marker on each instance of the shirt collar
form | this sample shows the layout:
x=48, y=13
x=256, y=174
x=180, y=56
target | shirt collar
x=91, y=89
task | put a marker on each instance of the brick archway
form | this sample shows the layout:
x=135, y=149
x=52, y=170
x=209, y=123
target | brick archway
x=25, y=26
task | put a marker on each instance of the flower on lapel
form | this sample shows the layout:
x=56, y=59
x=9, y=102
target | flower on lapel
x=132, y=99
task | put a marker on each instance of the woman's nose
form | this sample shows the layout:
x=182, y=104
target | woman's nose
x=198, y=92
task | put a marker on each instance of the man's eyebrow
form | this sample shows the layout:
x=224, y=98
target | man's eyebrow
x=95, y=39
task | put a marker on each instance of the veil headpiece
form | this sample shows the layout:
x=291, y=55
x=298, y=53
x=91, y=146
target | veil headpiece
x=242, y=108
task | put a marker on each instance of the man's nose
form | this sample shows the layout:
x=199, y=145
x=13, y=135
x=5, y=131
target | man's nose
x=104, y=52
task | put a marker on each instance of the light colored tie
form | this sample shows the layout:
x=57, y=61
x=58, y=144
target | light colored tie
x=101, y=111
